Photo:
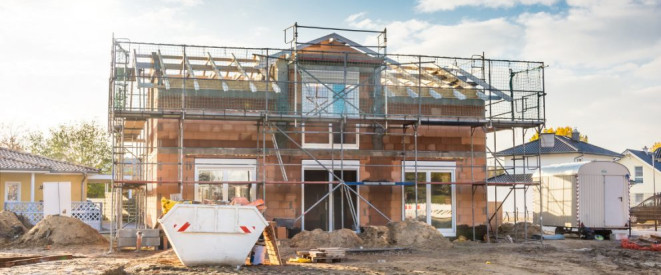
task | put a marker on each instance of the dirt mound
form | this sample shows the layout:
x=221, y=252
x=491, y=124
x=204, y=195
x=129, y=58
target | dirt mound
x=61, y=230
x=319, y=238
x=412, y=233
x=518, y=230
x=375, y=236
x=11, y=226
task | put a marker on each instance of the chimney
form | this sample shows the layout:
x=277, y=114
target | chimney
x=575, y=135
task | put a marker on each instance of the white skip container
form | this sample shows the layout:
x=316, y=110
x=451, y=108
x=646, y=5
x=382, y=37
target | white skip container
x=213, y=234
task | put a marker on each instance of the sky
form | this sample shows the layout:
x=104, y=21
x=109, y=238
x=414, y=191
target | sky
x=603, y=57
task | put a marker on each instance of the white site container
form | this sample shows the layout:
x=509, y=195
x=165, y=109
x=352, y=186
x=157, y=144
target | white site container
x=594, y=194
x=213, y=234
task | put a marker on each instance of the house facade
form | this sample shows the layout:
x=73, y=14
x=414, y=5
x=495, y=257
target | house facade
x=520, y=162
x=645, y=168
x=35, y=186
x=330, y=134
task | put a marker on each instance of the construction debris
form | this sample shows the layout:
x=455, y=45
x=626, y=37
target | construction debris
x=638, y=245
x=412, y=233
x=375, y=236
x=409, y=233
x=518, y=230
x=326, y=254
x=319, y=238
x=10, y=226
x=61, y=230
x=14, y=261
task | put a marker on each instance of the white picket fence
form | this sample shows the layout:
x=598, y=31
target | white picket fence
x=86, y=211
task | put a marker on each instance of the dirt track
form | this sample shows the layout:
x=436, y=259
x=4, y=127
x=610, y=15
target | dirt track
x=570, y=256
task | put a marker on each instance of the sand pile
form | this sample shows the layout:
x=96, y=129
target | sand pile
x=11, y=226
x=409, y=233
x=61, y=230
x=518, y=230
x=412, y=233
x=319, y=238
x=375, y=236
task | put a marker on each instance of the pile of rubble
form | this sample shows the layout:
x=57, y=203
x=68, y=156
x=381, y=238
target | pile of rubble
x=408, y=233
x=61, y=230
x=319, y=238
x=11, y=227
x=518, y=230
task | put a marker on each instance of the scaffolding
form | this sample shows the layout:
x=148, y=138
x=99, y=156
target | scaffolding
x=323, y=105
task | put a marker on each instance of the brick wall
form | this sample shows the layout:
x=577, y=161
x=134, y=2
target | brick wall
x=202, y=138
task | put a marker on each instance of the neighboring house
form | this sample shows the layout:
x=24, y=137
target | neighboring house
x=287, y=126
x=37, y=186
x=520, y=162
x=645, y=169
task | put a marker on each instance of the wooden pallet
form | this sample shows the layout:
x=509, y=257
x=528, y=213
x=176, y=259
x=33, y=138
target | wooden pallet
x=271, y=245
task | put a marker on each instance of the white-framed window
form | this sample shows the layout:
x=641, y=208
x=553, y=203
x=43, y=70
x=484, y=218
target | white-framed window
x=12, y=191
x=436, y=203
x=638, y=174
x=214, y=179
x=330, y=93
x=330, y=136
x=639, y=198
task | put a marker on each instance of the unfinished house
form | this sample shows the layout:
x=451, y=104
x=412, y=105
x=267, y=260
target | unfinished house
x=329, y=133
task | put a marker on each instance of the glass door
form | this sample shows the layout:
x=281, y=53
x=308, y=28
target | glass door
x=435, y=202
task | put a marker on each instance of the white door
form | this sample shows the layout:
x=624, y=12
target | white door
x=57, y=198
x=615, y=200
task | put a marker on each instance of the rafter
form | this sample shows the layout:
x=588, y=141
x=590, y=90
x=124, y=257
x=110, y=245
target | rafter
x=191, y=73
x=243, y=73
x=216, y=72
x=160, y=67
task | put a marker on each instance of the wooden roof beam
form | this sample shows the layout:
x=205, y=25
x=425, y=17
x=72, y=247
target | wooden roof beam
x=191, y=73
x=161, y=69
x=216, y=71
x=243, y=73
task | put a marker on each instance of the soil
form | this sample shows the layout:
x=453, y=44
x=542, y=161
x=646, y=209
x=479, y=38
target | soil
x=408, y=233
x=61, y=230
x=11, y=226
x=319, y=238
x=375, y=236
x=518, y=230
x=570, y=256
x=412, y=233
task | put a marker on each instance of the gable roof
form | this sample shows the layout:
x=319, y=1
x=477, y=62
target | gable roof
x=562, y=145
x=18, y=161
x=647, y=158
x=339, y=38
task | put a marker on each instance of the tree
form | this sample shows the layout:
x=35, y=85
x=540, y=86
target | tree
x=84, y=143
x=12, y=137
x=560, y=131
x=655, y=146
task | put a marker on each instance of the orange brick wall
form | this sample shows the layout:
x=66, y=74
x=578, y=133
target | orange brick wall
x=284, y=200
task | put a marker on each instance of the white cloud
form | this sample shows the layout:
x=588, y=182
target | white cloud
x=593, y=36
x=448, y=5
x=604, y=57
x=56, y=64
x=186, y=3
x=360, y=21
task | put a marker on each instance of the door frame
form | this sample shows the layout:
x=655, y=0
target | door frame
x=429, y=167
x=346, y=165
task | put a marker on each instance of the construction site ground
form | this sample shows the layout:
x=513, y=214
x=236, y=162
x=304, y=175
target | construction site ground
x=569, y=256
